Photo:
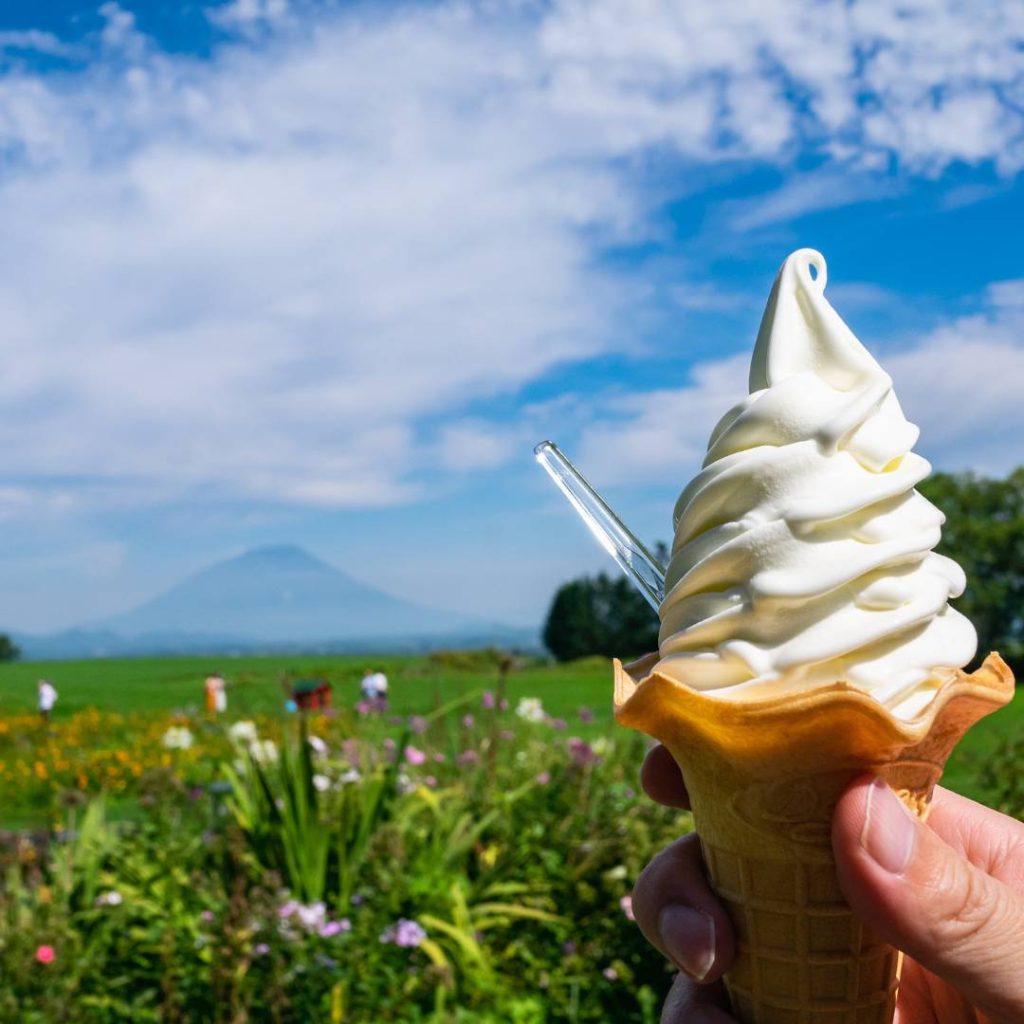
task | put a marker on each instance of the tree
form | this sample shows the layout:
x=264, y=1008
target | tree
x=600, y=615
x=9, y=650
x=984, y=532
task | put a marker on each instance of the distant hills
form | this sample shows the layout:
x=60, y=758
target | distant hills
x=273, y=599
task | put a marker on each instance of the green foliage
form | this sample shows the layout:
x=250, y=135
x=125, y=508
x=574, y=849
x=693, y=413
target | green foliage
x=599, y=615
x=207, y=907
x=9, y=650
x=984, y=532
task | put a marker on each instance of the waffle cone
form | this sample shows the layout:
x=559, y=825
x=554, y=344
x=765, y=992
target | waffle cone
x=764, y=777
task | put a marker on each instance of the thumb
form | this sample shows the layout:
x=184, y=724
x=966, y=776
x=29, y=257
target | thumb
x=924, y=898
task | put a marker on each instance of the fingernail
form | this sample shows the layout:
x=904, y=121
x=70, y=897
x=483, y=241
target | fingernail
x=688, y=936
x=889, y=831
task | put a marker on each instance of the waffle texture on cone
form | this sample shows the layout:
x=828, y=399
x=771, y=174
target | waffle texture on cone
x=764, y=777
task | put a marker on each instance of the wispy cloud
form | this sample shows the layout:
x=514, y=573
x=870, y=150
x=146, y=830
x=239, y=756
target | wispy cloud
x=961, y=383
x=274, y=272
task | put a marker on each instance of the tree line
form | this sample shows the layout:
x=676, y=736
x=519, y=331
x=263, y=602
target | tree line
x=984, y=533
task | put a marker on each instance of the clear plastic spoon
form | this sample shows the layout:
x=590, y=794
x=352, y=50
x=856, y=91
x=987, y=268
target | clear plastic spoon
x=639, y=565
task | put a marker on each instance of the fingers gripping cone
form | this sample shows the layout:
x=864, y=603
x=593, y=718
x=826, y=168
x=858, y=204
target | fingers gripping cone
x=764, y=778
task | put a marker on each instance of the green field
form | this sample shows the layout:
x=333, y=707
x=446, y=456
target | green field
x=444, y=861
x=419, y=684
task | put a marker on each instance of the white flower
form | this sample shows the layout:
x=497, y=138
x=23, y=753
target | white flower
x=243, y=731
x=530, y=709
x=404, y=784
x=263, y=751
x=317, y=745
x=601, y=746
x=109, y=899
x=352, y=775
x=321, y=783
x=178, y=737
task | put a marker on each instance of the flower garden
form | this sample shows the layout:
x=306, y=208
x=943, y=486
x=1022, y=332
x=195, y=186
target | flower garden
x=466, y=859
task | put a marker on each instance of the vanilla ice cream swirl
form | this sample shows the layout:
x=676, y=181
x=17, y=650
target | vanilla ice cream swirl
x=802, y=552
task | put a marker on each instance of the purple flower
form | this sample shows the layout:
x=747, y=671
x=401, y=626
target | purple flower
x=467, y=757
x=627, y=907
x=414, y=756
x=364, y=708
x=331, y=928
x=207, y=916
x=582, y=752
x=418, y=725
x=569, y=948
x=468, y=721
x=357, y=899
x=404, y=933
x=260, y=949
x=487, y=700
x=507, y=734
x=542, y=779
x=586, y=717
x=287, y=909
x=440, y=758
x=558, y=724
x=503, y=704
x=395, y=720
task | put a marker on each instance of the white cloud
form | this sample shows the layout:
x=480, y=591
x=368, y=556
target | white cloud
x=246, y=14
x=263, y=274
x=960, y=383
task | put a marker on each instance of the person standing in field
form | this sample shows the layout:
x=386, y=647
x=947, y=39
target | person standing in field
x=381, y=687
x=216, y=696
x=368, y=685
x=47, y=697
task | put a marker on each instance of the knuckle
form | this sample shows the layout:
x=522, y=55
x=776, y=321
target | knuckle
x=965, y=903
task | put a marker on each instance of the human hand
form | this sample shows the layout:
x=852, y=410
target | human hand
x=950, y=894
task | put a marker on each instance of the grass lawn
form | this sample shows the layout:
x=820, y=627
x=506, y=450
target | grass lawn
x=418, y=684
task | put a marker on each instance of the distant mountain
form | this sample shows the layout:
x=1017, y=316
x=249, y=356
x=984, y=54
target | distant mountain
x=272, y=598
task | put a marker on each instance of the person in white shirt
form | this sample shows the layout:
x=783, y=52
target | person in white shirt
x=368, y=686
x=47, y=693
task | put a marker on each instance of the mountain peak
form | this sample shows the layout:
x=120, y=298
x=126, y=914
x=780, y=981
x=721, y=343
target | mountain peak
x=282, y=593
x=279, y=556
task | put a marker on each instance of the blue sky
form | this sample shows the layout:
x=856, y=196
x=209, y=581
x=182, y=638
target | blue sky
x=324, y=273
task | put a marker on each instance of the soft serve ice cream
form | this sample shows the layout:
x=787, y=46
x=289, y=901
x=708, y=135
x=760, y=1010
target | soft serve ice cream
x=802, y=553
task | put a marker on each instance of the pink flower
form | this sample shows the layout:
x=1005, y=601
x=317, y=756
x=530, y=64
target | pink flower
x=414, y=756
x=503, y=704
x=260, y=949
x=543, y=778
x=507, y=734
x=558, y=724
x=440, y=758
x=586, y=717
x=430, y=782
x=468, y=721
x=45, y=954
x=404, y=933
x=389, y=744
x=364, y=708
x=468, y=757
x=611, y=974
x=627, y=907
x=331, y=928
x=487, y=700
x=418, y=725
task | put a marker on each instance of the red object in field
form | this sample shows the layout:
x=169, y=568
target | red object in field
x=312, y=694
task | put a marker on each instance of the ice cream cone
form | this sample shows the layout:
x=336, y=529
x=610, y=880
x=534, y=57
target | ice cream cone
x=764, y=777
